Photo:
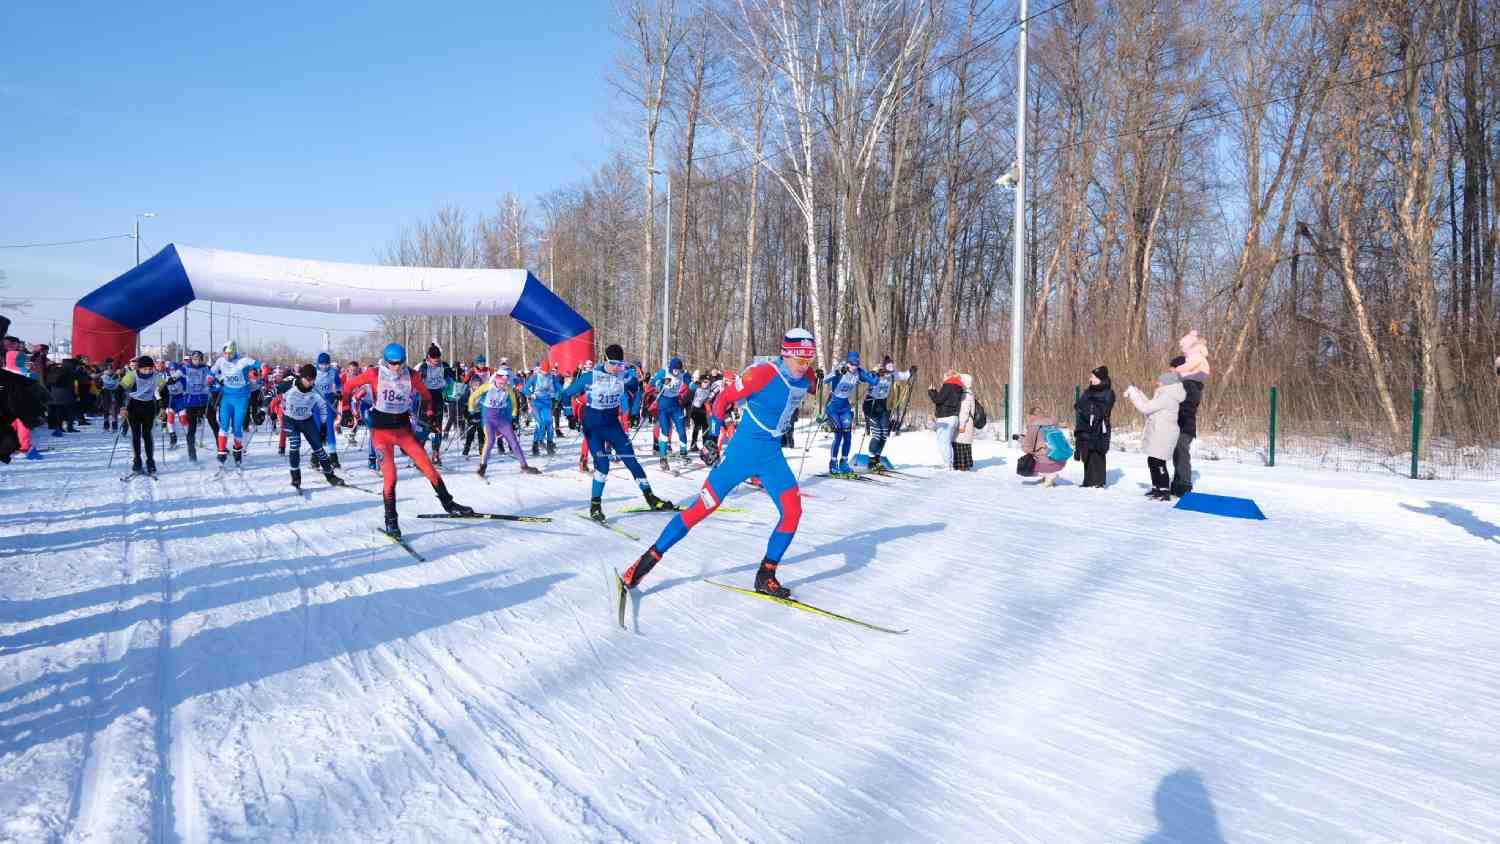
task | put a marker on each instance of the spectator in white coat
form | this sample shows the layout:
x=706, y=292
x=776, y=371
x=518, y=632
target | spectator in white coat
x=1161, y=428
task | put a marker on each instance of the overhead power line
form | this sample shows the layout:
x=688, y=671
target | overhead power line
x=63, y=242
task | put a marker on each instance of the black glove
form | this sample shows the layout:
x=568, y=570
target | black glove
x=912, y=371
x=710, y=452
x=348, y=419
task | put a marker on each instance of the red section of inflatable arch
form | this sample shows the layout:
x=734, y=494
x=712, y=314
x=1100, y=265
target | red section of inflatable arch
x=572, y=353
x=101, y=338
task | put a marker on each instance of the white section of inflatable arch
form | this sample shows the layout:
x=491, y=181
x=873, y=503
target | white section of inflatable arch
x=243, y=278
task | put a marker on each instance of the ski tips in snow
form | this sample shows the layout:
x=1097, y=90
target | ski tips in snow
x=404, y=544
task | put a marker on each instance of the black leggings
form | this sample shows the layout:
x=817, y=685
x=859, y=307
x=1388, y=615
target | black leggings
x=1159, y=477
x=142, y=418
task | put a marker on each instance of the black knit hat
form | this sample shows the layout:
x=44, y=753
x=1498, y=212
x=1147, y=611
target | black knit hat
x=144, y=361
x=308, y=371
x=614, y=352
x=434, y=352
x=1102, y=373
x=1177, y=361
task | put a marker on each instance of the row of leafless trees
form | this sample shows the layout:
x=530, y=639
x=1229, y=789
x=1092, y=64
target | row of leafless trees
x=1309, y=184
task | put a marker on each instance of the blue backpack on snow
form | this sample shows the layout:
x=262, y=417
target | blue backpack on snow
x=1058, y=447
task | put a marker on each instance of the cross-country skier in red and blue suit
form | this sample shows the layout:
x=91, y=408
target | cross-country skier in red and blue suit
x=768, y=394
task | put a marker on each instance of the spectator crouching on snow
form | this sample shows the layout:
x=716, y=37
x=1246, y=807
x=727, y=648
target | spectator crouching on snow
x=963, y=437
x=1161, y=428
x=1034, y=444
x=1091, y=426
x=947, y=401
x=1192, y=367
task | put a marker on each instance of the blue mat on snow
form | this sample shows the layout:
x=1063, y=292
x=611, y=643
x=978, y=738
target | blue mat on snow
x=1220, y=505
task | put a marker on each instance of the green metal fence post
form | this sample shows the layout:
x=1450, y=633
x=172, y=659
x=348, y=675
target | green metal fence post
x=1271, y=454
x=1005, y=408
x=1416, y=428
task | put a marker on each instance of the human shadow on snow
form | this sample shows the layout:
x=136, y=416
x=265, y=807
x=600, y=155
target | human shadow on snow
x=120, y=508
x=77, y=539
x=1459, y=517
x=90, y=696
x=1184, y=811
x=859, y=550
x=201, y=589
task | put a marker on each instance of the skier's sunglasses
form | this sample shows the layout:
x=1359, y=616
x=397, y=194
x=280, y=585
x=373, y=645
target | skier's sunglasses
x=615, y=364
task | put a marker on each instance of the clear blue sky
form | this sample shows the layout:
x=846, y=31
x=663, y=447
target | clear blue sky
x=308, y=129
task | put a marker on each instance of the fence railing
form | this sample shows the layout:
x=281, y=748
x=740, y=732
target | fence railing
x=1308, y=426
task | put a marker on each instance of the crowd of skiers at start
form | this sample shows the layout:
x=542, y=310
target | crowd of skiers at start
x=1171, y=425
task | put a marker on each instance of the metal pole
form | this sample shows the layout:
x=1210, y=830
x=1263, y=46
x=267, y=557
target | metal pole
x=137, y=241
x=211, y=348
x=1416, y=429
x=1018, y=287
x=666, y=290
x=1271, y=452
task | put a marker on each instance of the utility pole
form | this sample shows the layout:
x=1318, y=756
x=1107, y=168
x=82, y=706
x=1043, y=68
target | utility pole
x=1018, y=279
x=144, y=215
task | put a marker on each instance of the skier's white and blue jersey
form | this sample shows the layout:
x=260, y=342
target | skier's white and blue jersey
x=329, y=383
x=877, y=413
x=840, y=410
x=176, y=389
x=768, y=397
x=195, y=380
x=233, y=378
x=605, y=390
x=671, y=391
x=541, y=388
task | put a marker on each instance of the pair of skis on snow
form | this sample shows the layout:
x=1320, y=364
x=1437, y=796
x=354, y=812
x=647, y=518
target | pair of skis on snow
x=622, y=594
x=503, y=517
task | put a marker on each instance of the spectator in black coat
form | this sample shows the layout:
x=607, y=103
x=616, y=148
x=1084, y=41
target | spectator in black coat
x=947, y=401
x=1192, y=367
x=62, y=390
x=1091, y=426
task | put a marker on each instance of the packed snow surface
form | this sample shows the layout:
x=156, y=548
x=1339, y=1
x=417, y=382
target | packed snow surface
x=198, y=659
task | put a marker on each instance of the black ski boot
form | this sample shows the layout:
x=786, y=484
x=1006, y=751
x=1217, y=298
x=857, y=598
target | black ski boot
x=172, y=440
x=536, y=449
x=640, y=568
x=530, y=470
x=151, y=470
x=239, y=455
x=297, y=479
x=333, y=460
x=765, y=581
x=373, y=466
x=392, y=524
x=451, y=507
x=551, y=448
x=223, y=456
x=596, y=510
x=480, y=470
x=657, y=503
x=332, y=479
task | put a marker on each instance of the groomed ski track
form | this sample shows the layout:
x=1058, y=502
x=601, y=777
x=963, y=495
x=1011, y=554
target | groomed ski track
x=199, y=660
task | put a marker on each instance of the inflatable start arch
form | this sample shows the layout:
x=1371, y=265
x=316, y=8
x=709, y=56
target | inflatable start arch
x=106, y=321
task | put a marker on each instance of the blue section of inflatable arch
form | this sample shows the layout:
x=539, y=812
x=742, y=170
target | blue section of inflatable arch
x=1220, y=505
x=546, y=314
x=144, y=294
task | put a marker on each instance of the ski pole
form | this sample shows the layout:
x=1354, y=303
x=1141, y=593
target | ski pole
x=119, y=429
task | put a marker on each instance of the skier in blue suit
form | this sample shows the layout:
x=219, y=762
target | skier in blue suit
x=672, y=389
x=840, y=411
x=232, y=373
x=768, y=394
x=606, y=385
x=328, y=383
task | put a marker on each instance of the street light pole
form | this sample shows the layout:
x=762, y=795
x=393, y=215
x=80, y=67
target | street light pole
x=666, y=267
x=1018, y=259
x=143, y=215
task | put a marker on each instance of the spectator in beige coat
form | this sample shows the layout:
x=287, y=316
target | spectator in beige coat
x=1161, y=428
x=963, y=440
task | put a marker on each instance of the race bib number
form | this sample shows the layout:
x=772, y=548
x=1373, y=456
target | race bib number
x=847, y=382
x=393, y=393
x=605, y=391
